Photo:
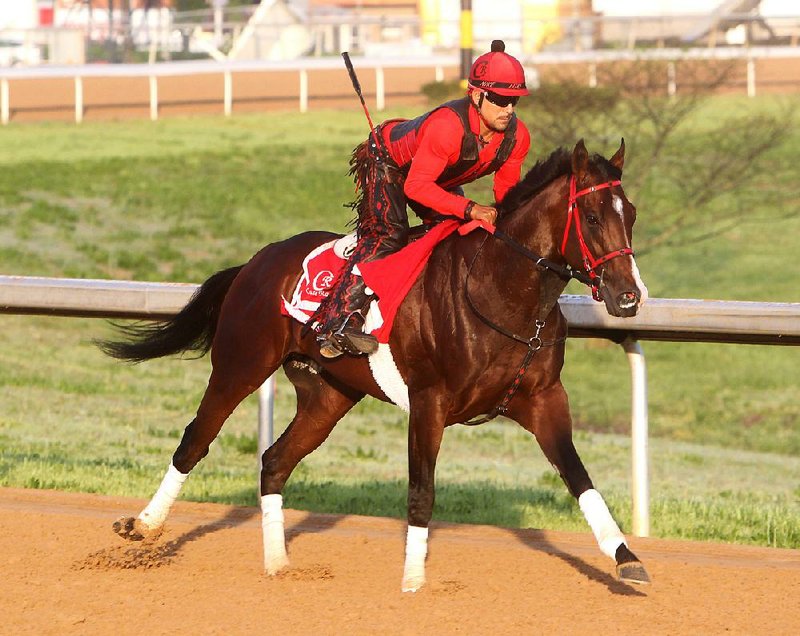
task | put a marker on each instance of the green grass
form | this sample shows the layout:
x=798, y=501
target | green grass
x=180, y=199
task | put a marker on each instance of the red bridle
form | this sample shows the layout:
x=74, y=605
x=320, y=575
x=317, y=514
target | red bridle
x=590, y=263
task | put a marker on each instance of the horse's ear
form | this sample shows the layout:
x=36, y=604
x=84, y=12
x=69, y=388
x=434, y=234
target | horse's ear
x=618, y=160
x=580, y=159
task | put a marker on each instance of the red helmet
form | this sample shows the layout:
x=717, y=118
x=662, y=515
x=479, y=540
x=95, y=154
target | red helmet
x=498, y=72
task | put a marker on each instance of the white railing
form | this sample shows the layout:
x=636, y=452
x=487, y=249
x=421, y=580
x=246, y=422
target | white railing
x=660, y=319
x=329, y=71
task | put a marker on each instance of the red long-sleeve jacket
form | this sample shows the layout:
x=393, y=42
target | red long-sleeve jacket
x=435, y=151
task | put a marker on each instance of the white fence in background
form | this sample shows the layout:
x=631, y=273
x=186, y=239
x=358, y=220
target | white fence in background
x=660, y=319
x=375, y=67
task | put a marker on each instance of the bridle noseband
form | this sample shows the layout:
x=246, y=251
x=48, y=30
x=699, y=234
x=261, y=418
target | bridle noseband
x=590, y=263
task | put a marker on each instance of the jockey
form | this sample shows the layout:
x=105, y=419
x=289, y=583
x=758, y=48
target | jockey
x=423, y=163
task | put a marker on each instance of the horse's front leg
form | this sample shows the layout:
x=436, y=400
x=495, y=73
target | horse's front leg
x=425, y=429
x=547, y=417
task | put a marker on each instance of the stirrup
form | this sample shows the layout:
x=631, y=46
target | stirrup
x=328, y=348
x=348, y=338
x=351, y=337
x=356, y=343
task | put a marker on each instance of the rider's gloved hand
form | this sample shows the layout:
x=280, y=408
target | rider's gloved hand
x=478, y=212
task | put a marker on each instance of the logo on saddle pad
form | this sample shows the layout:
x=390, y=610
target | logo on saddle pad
x=321, y=284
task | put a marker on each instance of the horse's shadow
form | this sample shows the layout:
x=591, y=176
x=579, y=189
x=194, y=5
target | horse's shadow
x=311, y=523
x=392, y=492
x=537, y=540
x=155, y=552
x=232, y=518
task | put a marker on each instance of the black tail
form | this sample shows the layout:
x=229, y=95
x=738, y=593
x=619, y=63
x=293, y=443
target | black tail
x=191, y=330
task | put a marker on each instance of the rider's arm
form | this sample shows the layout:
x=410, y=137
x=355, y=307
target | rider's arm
x=440, y=145
x=508, y=174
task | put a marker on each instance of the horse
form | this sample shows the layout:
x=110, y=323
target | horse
x=479, y=334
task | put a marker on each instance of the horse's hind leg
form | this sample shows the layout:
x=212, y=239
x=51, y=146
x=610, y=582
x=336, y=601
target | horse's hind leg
x=243, y=356
x=224, y=393
x=320, y=405
x=547, y=417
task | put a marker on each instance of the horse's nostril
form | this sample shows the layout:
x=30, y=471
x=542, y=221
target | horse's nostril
x=627, y=300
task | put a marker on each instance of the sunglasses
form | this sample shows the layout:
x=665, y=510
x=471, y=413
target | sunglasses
x=501, y=100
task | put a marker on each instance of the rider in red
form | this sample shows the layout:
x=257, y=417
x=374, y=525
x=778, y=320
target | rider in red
x=422, y=163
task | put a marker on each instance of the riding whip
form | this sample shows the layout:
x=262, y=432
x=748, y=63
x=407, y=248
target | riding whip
x=357, y=86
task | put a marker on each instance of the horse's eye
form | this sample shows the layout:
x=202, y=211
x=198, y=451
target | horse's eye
x=591, y=219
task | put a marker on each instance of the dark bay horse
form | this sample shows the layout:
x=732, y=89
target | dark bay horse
x=479, y=332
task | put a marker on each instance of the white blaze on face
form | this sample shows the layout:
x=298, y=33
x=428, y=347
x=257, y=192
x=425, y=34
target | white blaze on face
x=643, y=294
x=616, y=202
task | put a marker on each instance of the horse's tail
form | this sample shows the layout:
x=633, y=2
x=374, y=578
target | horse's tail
x=191, y=330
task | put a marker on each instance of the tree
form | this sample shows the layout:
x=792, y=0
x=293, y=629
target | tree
x=693, y=172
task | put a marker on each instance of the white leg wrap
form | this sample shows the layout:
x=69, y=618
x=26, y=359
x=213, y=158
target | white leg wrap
x=416, y=551
x=275, y=557
x=605, y=529
x=155, y=513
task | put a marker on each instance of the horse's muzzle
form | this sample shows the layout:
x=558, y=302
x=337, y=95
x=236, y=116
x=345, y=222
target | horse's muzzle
x=623, y=305
x=626, y=304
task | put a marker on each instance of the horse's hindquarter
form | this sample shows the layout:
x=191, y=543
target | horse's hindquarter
x=251, y=312
x=274, y=271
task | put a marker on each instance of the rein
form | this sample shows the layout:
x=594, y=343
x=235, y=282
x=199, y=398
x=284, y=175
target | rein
x=589, y=277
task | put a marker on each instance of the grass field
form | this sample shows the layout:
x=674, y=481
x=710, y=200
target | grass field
x=179, y=199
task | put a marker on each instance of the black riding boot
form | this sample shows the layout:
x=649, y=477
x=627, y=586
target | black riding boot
x=345, y=332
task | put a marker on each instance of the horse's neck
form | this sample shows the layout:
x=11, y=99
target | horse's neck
x=538, y=224
x=537, y=227
x=503, y=283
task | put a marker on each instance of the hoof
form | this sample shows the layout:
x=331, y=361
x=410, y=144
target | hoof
x=413, y=583
x=629, y=568
x=273, y=566
x=633, y=572
x=133, y=529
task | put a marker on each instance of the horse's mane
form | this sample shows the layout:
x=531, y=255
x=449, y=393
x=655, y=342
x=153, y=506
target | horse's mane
x=558, y=164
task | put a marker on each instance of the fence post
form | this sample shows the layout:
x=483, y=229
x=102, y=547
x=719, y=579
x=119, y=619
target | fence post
x=5, y=101
x=303, y=91
x=672, y=86
x=380, y=89
x=640, y=487
x=266, y=410
x=78, y=99
x=153, y=98
x=228, y=93
x=751, y=77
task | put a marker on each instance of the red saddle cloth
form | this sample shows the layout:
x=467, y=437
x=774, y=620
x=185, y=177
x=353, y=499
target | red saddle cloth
x=390, y=278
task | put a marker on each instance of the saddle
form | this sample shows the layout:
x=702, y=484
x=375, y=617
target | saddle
x=390, y=278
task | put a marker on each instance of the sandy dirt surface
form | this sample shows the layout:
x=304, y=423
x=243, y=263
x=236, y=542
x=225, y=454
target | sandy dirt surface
x=65, y=572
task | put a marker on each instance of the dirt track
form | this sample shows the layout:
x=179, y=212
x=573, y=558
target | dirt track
x=65, y=572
